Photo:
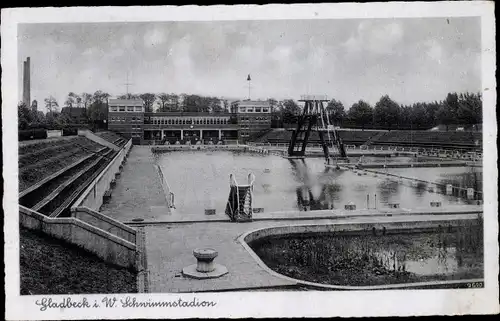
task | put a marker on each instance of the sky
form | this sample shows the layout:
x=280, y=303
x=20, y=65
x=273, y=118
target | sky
x=410, y=59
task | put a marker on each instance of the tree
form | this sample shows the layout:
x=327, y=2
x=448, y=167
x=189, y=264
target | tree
x=72, y=100
x=227, y=107
x=469, y=110
x=163, y=97
x=51, y=104
x=24, y=116
x=148, y=100
x=96, y=109
x=100, y=97
x=273, y=104
x=445, y=116
x=386, y=112
x=290, y=111
x=129, y=96
x=361, y=113
x=86, y=99
x=335, y=110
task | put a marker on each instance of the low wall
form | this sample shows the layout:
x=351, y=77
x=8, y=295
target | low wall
x=54, y=133
x=356, y=228
x=110, y=248
x=165, y=148
x=105, y=223
x=90, y=135
x=92, y=198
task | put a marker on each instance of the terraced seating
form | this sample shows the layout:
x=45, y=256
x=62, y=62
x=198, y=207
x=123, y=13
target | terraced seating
x=348, y=137
x=112, y=138
x=34, y=165
x=429, y=138
x=52, y=177
x=396, y=138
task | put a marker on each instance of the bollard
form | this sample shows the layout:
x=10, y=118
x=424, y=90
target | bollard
x=350, y=207
x=435, y=204
x=470, y=193
x=449, y=189
x=393, y=205
x=210, y=211
x=205, y=268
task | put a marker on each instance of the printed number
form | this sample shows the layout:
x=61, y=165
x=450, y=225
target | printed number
x=475, y=285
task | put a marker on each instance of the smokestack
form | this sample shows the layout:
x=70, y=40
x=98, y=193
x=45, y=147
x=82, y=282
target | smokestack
x=26, y=82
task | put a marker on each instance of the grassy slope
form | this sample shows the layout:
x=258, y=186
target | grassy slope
x=49, y=266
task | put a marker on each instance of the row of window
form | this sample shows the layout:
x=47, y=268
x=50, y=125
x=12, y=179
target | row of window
x=253, y=109
x=254, y=118
x=123, y=119
x=189, y=121
x=126, y=108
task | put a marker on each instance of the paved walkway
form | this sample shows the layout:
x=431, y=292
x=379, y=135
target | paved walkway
x=138, y=192
x=170, y=248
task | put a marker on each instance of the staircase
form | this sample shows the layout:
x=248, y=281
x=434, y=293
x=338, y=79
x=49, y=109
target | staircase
x=239, y=203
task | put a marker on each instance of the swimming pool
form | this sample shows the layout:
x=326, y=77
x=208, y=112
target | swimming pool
x=200, y=180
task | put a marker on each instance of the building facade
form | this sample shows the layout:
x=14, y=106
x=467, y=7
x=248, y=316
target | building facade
x=128, y=118
x=253, y=117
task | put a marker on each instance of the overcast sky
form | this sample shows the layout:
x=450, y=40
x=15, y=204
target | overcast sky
x=408, y=59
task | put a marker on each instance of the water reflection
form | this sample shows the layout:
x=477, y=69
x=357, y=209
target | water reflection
x=306, y=199
x=200, y=180
x=377, y=259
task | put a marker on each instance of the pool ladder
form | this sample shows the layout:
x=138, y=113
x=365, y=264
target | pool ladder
x=239, y=204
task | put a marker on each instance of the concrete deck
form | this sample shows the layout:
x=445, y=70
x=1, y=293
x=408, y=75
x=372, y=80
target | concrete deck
x=334, y=214
x=170, y=249
x=138, y=192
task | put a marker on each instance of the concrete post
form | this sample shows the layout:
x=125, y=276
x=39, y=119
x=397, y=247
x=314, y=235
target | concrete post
x=201, y=134
x=470, y=193
x=220, y=134
x=182, y=134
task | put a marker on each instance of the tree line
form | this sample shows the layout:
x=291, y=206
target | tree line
x=455, y=109
x=463, y=109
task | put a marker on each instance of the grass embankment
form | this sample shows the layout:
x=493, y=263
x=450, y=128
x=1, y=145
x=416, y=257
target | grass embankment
x=50, y=266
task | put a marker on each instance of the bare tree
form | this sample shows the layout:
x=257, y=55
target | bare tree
x=51, y=104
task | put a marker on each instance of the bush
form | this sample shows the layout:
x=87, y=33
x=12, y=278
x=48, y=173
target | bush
x=32, y=134
x=70, y=132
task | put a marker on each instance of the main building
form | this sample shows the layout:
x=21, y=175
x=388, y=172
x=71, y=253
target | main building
x=244, y=120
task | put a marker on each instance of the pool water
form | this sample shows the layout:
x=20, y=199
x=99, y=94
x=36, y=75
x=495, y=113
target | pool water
x=200, y=180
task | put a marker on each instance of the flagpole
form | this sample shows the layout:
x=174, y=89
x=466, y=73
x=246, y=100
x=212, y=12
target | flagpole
x=249, y=79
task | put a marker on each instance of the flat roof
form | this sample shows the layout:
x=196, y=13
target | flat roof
x=253, y=103
x=191, y=114
x=128, y=102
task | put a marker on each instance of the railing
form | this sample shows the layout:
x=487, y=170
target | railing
x=170, y=196
x=245, y=214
